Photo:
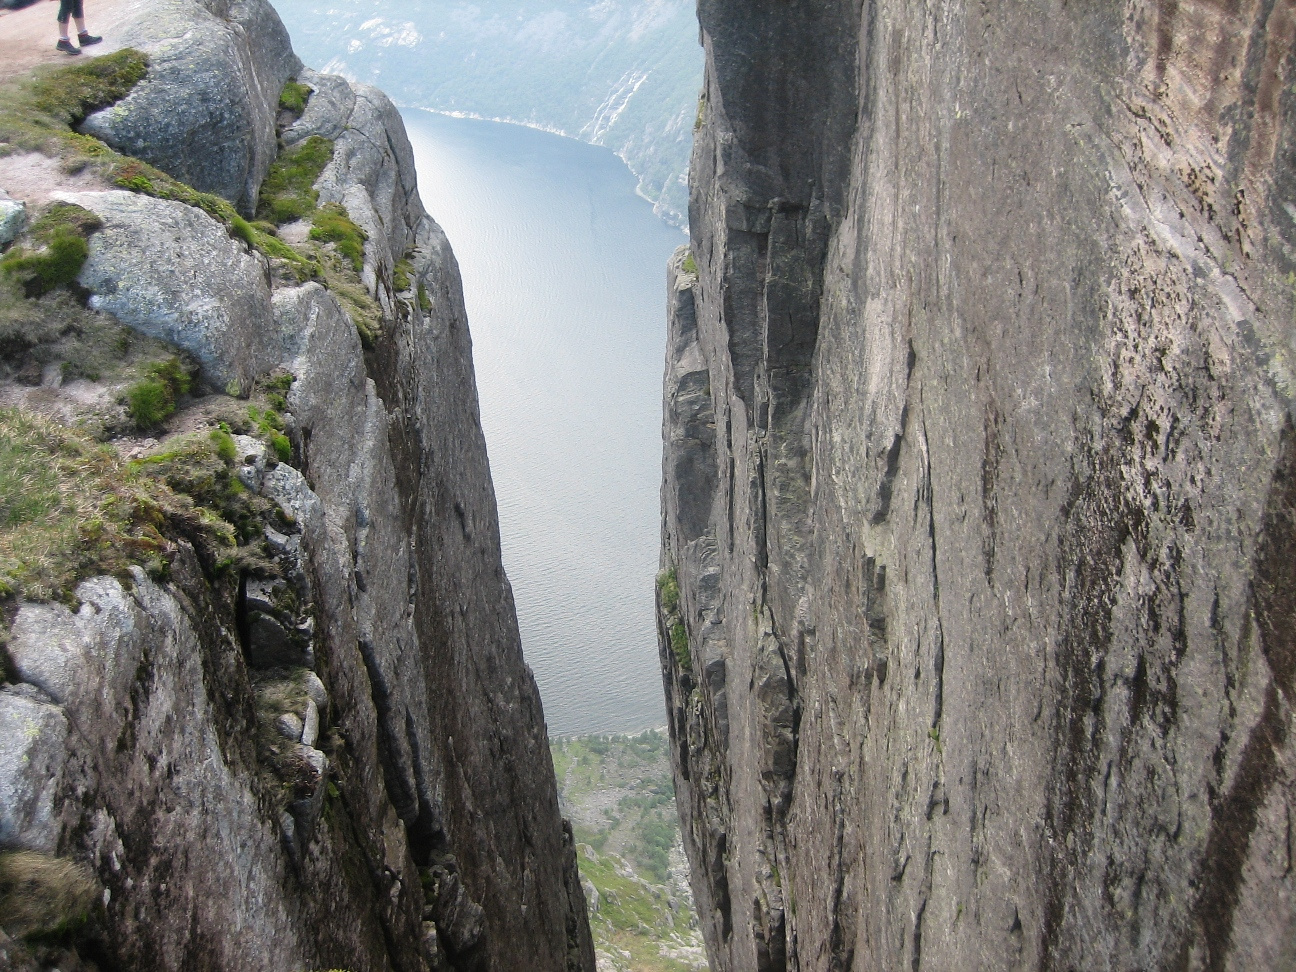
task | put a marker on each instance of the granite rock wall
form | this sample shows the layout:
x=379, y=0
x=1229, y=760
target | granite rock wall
x=978, y=486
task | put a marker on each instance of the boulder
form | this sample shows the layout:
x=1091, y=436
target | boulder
x=205, y=113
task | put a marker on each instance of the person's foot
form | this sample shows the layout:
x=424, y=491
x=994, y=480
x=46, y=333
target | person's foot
x=85, y=38
x=66, y=46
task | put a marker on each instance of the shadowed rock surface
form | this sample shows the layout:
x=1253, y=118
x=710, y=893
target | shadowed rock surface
x=334, y=758
x=978, y=486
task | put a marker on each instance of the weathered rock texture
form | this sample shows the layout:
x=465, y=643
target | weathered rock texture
x=420, y=828
x=980, y=486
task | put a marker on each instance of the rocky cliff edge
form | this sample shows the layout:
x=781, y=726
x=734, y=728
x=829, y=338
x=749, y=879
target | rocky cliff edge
x=292, y=728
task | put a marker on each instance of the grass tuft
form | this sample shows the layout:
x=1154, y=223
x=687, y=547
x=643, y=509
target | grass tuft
x=293, y=98
x=152, y=399
x=288, y=192
x=43, y=897
x=331, y=224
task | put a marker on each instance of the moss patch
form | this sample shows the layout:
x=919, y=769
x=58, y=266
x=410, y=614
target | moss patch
x=60, y=235
x=331, y=224
x=669, y=599
x=39, y=111
x=288, y=192
x=293, y=98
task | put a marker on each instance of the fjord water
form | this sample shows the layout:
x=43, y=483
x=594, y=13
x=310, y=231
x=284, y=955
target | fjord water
x=564, y=280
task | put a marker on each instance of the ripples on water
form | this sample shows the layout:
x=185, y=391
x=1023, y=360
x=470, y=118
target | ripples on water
x=564, y=280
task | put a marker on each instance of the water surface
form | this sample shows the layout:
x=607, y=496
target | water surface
x=564, y=280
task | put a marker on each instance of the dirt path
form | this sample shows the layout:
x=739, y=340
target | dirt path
x=27, y=36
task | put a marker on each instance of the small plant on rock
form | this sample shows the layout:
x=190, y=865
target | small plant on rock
x=61, y=232
x=151, y=400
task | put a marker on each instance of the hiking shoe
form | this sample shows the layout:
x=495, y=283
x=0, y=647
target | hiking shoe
x=66, y=46
x=85, y=38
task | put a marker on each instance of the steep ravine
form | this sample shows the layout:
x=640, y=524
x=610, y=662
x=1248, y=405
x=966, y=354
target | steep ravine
x=322, y=749
x=979, y=520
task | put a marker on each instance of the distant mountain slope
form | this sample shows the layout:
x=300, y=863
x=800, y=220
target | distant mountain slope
x=619, y=73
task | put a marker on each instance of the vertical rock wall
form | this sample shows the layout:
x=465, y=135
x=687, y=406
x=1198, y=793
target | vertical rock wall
x=978, y=486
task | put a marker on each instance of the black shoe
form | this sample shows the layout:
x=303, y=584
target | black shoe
x=66, y=46
x=85, y=38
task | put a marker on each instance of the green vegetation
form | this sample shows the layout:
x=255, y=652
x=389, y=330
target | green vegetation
x=61, y=232
x=331, y=224
x=401, y=275
x=39, y=111
x=70, y=508
x=668, y=585
x=288, y=192
x=269, y=423
x=690, y=265
x=619, y=794
x=343, y=283
x=293, y=98
x=424, y=301
x=152, y=399
x=669, y=598
x=44, y=898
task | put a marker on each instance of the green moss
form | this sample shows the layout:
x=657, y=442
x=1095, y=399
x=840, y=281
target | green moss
x=61, y=232
x=243, y=230
x=690, y=265
x=680, y=646
x=288, y=192
x=271, y=426
x=331, y=224
x=293, y=98
x=401, y=275
x=152, y=399
x=39, y=110
x=425, y=302
x=668, y=585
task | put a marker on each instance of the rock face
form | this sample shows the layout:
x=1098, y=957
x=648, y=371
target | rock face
x=410, y=819
x=980, y=486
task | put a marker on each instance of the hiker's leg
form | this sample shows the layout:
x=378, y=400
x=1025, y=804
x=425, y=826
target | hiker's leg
x=65, y=14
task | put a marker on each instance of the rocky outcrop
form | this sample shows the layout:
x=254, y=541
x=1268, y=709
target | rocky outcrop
x=206, y=111
x=329, y=755
x=978, y=487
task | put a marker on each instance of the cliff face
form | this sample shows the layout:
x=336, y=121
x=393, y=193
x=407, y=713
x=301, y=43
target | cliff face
x=980, y=486
x=335, y=757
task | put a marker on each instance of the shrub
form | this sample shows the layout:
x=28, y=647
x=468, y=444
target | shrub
x=690, y=265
